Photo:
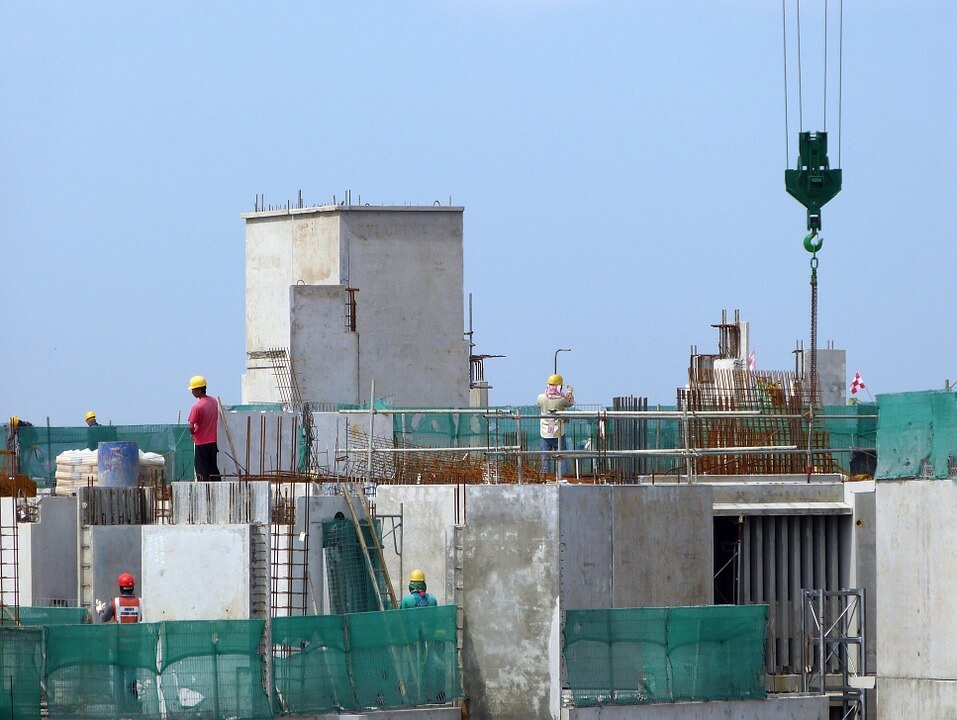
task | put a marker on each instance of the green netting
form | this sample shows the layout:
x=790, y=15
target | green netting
x=213, y=669
x=917, y=435
x=52, y=615
x=309, y=664
x=858, y=434
x=179, y=670
x=351, y=588
x=103, y=671
x=20, y=662
x=651, y=655
x=403, y=658
x=39, y=447
x=389, y=659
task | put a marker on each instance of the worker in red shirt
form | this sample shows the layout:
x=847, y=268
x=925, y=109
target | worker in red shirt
x=203, y=423
x=125, y=607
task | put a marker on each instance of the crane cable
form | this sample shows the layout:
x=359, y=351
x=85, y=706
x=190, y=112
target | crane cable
x=812, y=242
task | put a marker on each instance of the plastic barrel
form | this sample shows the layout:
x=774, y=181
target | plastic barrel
x=117, y=463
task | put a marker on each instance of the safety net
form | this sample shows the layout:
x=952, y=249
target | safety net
x=390, y=659
x=350, y=586
x=208, y=669
x=855, y=430
x=917, y=435
x=627, y=656
x=213, y=669
x=20, y=663
x=52, y=615
x=39, y=447
x=101, y=671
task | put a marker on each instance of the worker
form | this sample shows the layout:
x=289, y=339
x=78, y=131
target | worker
x=203, y=424
x=552, y=429
x=90, y=418
x=417, y=596
x=126, y=607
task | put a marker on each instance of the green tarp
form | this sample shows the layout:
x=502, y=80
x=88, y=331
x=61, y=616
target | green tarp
x=627, y=656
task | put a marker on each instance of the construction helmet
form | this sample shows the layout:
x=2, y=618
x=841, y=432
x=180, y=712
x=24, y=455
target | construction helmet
x=125, y=581
x=555, y=379
x=90, y=415
x=197, y=381
x=417, y=576
x=14, y=421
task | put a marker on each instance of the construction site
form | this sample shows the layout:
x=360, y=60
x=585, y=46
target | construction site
x=757, y=548
x=362, y=534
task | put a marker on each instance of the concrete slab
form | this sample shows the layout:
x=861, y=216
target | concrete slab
x=196, y=572
x=256, y=442
x=54, y=553
x=663, y=545
x=220, y=503
x=790, y=707
x=511, y=650
x=909, y=698
x=423, y=713
x=916, y=578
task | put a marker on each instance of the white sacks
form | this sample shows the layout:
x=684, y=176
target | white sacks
x=77, y=468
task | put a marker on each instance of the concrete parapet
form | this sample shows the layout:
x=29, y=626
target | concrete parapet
x=787, y=707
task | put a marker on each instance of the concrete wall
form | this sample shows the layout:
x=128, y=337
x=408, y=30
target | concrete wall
x=636, y=545
x=791, y=707
x=116, y=549
x=407, y=264
x=257, y=443
x=511, y=650
x=325, y=354
x=53, y=553
x=195, y=572
x=409, y=269
x=428, y=511
x=917, y=582
x=530, y=551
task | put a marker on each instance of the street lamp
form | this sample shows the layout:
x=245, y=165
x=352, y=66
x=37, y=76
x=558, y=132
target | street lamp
x=556, y=357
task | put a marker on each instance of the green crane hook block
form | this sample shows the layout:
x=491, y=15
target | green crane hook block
x=813, y=183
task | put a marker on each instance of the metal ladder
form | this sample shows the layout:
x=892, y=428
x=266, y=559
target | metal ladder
x=371, y=552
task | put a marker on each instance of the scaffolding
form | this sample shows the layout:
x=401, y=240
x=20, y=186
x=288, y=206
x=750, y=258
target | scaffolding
x=835, y=648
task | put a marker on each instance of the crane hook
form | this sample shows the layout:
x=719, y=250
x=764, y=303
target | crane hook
x=813, y=242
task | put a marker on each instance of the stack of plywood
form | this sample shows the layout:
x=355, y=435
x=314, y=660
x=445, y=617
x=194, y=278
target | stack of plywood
x=77, y=468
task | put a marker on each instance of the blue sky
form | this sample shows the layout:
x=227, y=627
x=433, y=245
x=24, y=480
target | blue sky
x=621, y=165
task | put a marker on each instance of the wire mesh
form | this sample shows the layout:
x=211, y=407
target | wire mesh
x=630, y=656
x=388, y=659
x=20, y=663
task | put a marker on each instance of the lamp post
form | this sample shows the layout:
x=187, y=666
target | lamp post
x=555, y=368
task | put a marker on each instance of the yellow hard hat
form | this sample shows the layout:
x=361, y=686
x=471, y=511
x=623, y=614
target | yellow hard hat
x=556, y=380
x=14, y=421
x=197, y=381
x=90, y=415
x=417, y=576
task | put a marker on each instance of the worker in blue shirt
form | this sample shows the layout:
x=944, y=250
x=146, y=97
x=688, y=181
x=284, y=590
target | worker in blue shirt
x=417, y=596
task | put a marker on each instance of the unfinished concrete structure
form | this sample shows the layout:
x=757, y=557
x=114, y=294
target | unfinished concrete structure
x=916, y=503
x=514, y=557
x=357, y=294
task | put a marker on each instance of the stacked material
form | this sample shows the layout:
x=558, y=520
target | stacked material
x=77, y=468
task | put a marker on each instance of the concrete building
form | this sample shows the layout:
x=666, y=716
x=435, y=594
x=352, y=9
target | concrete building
x=356, y=295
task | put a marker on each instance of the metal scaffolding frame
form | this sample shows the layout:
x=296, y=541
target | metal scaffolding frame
x=835, y=648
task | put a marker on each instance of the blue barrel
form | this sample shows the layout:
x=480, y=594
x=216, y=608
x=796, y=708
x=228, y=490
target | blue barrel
x=117, y=463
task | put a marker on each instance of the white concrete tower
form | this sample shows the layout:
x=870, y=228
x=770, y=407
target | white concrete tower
x=357, y=293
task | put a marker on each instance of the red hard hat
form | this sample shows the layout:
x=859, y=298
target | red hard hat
x=125, y=580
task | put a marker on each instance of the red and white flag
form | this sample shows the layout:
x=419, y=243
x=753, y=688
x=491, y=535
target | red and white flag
x=752, y=363
x=857, y=384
